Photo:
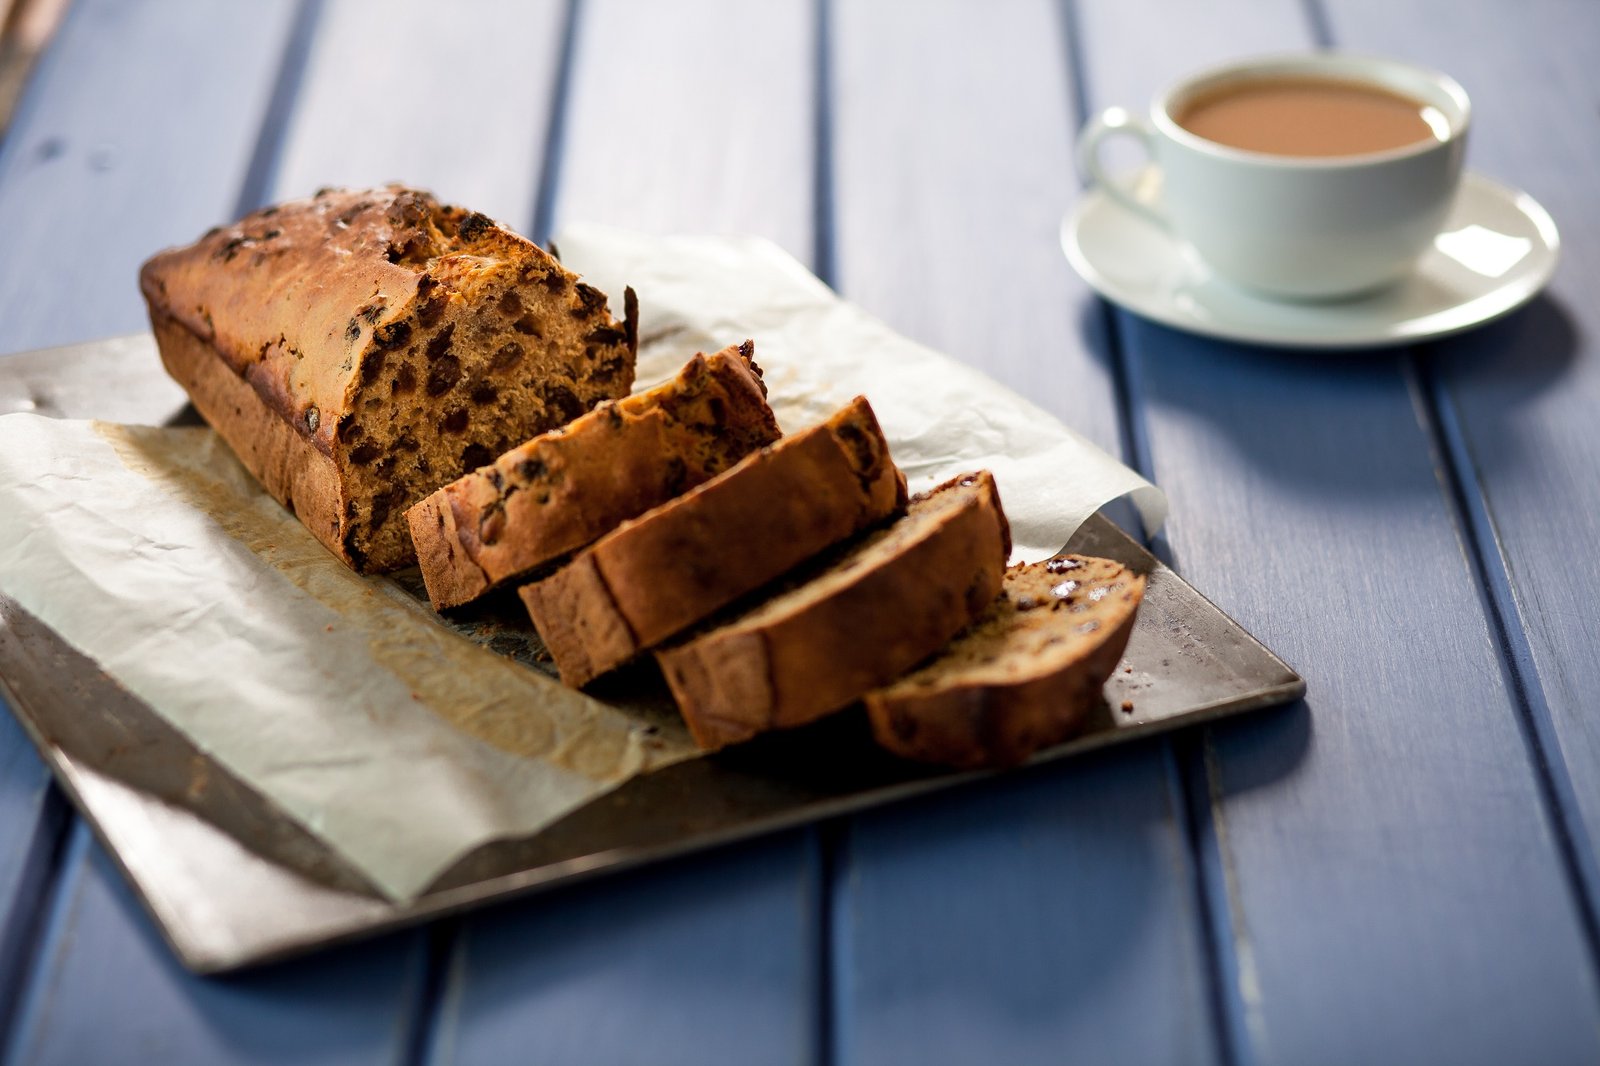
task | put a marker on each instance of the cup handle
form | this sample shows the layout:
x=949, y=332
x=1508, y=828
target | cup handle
x=1110, y=122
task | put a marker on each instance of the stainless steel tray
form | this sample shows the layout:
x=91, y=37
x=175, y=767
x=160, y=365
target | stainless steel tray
x=231, y=882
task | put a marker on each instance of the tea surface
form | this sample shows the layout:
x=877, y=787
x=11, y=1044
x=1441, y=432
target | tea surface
x=1300, y=116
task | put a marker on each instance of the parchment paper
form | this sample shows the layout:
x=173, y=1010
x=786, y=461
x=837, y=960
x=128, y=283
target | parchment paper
x=398, y=742
x=699, y=293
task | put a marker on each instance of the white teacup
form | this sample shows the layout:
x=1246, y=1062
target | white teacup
x=1296, y=226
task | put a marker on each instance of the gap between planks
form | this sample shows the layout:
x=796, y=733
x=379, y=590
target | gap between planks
x=1491, y=578
x=1190, y=783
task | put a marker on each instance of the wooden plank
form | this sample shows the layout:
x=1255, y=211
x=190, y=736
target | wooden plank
x=1050, y=917
x=1046, y=917
x=1394, y=887
x=115, y=155
x=33, y=817
x=130, y=154
x=468, y=124
x=1519, y=398
x=108, y=990
x=706, y=960
x=714, y=958
x=693, y=117
x=951, y=176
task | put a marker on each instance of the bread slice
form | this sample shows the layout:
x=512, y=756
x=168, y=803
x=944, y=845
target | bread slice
x=662, y=572
x=889, y=602
x=362, y=347
x=561, y=490
x=1024, y=677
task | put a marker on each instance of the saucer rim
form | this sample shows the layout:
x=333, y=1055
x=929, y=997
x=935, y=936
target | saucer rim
x=1513, y=294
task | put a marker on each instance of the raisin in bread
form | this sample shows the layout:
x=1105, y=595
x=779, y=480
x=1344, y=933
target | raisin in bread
x=561, y=490
x=1024, y=677
x=662, y=572
x=888, y=603
x=363, y=347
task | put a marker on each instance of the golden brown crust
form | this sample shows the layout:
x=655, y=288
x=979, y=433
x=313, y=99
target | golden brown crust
x=302, y=479
x=1024, y=678
x=561, y=490
x=886, y=605
x=658, y=574
x=403, y=339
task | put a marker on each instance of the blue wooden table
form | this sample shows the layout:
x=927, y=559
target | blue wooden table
x=1399, y=869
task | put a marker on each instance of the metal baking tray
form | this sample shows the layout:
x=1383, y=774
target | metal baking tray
x=231, y=882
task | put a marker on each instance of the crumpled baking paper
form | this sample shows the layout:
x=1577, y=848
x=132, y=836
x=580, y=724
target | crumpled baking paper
x=399, y=743
x=941, y=418
x=340, y=697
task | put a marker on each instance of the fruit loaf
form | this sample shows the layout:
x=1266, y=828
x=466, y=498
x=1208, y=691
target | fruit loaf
x=1024, y=677
x=561, y=490
x=885, y=605
x=360, y=348
x=662, y=572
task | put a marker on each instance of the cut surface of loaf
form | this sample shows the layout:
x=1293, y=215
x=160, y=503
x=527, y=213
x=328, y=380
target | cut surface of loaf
x=561, y=490
x=1024, y=677
x=362, y=347
x=890, y=601
x=660, y=573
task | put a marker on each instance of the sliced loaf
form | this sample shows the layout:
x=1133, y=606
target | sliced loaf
x=1024, y=677
x=560, y=491
x=360, y=348
x=662, y=572
x=888, y=603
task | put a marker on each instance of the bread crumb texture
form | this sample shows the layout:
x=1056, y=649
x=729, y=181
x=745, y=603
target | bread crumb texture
x=561, y=490
x=1024, y=677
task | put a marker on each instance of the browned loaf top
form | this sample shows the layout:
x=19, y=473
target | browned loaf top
x=360, y=348
x=888, y=603
x=1024, y=677
x=660, y=573
x=564, y=488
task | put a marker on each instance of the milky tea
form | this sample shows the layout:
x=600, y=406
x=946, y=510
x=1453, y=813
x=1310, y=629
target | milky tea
x=1296, y=115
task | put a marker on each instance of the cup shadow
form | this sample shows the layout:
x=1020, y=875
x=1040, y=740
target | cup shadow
x=1493, y=372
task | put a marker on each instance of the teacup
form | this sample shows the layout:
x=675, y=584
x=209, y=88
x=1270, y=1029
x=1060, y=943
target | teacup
x=1309, y=176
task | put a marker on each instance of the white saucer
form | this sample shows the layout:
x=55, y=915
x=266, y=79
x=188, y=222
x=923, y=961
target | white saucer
x=1498, y=249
